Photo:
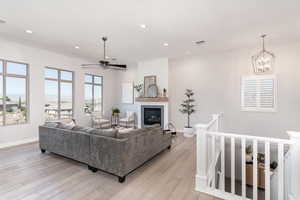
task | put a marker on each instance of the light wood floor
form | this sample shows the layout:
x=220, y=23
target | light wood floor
x=25, y=173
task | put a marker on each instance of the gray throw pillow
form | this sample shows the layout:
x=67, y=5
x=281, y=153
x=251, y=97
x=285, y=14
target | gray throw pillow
x=105, y=132
x=82, y=129
x=153, y=126
x=127, y=134
x=68, y=126
x=51, y=124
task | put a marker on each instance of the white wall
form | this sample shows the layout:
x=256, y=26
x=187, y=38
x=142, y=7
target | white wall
x=37, y=59
x=136, y=73
x=157, y=67
x=215, y=78
x=130, y=75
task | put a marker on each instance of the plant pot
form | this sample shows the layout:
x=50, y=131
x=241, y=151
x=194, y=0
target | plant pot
x=188, y=132
x=249, y=158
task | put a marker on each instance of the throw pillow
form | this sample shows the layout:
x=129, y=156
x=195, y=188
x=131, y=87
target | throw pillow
x=127, y=134
x=105, y=132
x=82, y=129
x=67, y=125
x=51, y=124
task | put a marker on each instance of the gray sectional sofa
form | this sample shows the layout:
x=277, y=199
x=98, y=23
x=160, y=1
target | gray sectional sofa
x=109, y=150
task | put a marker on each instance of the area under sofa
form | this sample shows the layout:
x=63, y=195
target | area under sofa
x=117, y=153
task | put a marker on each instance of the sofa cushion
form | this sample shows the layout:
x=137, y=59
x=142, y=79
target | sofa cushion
x=105, y=132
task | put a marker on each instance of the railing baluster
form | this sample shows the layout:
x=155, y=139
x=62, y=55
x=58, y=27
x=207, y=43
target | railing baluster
x=243, y=151
x=254, y=169
x=222, y=163
x=232, y=165
x=267, y=170
x=213, y=146
x=206, y=163
x=280, y=170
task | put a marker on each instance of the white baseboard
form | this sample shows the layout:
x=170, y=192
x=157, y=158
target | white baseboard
x=20, y=142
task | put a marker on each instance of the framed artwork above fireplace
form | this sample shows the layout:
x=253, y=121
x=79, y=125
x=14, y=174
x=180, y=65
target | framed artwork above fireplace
x=148, y=81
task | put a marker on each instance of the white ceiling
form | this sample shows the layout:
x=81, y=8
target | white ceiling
x=229, y=24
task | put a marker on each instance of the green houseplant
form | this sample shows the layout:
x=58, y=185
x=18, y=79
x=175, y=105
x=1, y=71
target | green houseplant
x=249, y=156
x=187, y=107
x=115, y=111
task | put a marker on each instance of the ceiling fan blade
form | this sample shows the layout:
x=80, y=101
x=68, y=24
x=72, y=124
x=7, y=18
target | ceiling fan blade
x=117, y=66
x=84, y=65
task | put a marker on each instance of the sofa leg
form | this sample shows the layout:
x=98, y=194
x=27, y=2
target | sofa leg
x=122, y=179
x=93, y=169
x=43, y=150
x=169, y=147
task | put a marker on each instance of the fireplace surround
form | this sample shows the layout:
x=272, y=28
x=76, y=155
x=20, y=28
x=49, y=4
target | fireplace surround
x=152, y=114
x=163, y=105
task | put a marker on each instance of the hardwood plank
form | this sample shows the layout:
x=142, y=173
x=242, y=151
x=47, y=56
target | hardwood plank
x=27, y=174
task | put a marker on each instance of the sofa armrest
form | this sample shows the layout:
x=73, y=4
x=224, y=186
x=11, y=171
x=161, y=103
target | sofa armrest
x=145, y=145
x=69, y=143
x=108, y=154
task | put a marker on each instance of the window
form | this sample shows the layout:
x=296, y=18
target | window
x=59, y=94
x=93, y=93
x=259, y=93
x=13, y=93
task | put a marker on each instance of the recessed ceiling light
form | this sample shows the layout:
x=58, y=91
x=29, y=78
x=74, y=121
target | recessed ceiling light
x=166, y=44
x=29, y=31
x=77, y=47
x=200, y=42
x=2, y=21
x=143, y=26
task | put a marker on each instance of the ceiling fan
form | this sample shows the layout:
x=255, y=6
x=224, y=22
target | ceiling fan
x=105, y=63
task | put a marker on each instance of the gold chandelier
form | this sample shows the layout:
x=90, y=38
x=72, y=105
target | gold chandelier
x=263, y=62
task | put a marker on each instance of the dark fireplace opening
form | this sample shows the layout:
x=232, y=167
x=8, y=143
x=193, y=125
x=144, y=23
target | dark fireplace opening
x=152, y=115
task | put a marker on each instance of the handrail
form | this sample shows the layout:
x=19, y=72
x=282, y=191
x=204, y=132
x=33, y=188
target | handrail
x=249, y=137
x=209, y=139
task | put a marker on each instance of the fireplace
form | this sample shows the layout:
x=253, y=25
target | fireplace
x=152, y=115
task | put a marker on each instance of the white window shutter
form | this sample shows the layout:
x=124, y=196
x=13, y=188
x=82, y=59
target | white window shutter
x=258, y=93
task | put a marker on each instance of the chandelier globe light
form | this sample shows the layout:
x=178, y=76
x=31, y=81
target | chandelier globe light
x=263, y=62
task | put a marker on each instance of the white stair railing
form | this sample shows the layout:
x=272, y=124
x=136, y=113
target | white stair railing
x=211, y=145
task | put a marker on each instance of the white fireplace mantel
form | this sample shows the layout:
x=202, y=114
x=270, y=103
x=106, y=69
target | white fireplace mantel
x=166, y=111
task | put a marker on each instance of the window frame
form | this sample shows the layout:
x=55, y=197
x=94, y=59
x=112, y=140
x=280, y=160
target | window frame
x=93, y=91
x=258, y=107
x=59, y=80
x=4, y=75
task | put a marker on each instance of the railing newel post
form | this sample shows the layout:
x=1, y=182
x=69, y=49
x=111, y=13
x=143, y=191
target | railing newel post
x=201, y=176
x=294, y=191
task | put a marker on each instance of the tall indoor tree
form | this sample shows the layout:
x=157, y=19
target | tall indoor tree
x=188, y=108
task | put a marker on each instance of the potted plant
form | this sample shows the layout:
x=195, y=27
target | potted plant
x=249, y=157
x=139, y=88
x=188, y=108
x=273, y=165
x=115, y=111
